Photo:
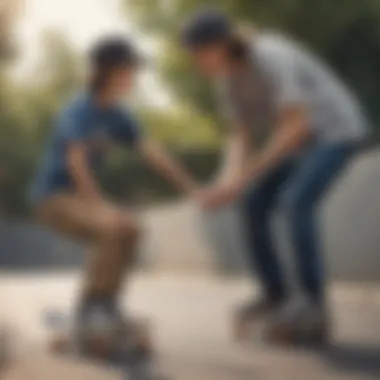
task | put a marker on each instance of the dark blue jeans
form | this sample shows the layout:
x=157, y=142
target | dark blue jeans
x=298, y=185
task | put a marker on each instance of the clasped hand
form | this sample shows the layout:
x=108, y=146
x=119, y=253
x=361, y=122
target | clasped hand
x=218, y=196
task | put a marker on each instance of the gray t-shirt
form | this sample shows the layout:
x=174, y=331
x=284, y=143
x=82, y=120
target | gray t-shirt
x=282, y=74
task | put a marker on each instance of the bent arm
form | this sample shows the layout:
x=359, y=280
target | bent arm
x=291, y=134
x=166, y=165
x=236, y=153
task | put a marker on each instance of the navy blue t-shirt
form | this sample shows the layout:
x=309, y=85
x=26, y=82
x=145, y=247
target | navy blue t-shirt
x=82, y=120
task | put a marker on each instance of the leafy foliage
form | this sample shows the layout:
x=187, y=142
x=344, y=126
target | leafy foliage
x=346, y=33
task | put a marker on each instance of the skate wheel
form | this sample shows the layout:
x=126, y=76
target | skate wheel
x=284, y=335
x=58, y=344
x=239, y=332
x=289, y=335
x=319, y=337
x=281, y=336
x=99, y=347
x=141, y=335
x=242, y=327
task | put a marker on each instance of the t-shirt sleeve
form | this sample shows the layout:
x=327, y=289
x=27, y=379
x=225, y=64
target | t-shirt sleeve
x=74, y=126
x=126, y=128
x=288, y=91
x=226, y=105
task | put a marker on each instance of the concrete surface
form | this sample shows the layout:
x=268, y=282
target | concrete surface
x=192, y=329
x=42, y=366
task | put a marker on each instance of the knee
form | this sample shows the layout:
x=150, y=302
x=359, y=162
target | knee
x=128, y=229
x=131, y=230
x=124, y=229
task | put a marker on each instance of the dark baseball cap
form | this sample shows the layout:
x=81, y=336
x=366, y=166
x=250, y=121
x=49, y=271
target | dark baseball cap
x=206, y=27
x=112, y=52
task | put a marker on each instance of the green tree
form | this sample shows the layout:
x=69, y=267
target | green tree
x=346, y=33
x=180, y=128
x=55, y=76
x=26, y=112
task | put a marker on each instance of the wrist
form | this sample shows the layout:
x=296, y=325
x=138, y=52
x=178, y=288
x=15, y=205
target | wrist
x=91, y=195
x=228, y=181
x=189, y=187
x=242, y=181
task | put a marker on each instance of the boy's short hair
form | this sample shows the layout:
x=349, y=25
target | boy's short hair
x=113, y=52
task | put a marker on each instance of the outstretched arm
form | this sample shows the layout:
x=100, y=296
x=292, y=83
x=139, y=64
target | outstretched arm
x=291, y=134
x=163, y=163
x=235, y=156
x=154, y=154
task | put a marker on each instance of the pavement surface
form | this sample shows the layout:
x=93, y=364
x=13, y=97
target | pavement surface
x=191, y=319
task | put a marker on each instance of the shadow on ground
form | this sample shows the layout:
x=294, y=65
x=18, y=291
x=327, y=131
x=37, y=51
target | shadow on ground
x=362, y=360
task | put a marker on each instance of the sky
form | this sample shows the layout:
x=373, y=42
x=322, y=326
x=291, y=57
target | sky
x=82, y=22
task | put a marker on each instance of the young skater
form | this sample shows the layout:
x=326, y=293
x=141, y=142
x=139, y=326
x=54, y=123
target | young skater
x=65, y=193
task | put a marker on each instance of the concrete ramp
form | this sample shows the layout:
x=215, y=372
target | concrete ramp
x=192, y=331
x=175, y=240
x=42, y=366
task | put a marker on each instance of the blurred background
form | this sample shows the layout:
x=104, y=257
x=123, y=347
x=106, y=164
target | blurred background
x=43, y=44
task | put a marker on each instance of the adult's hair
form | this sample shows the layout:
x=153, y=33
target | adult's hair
x=239, y=43
x=209, y=27
x=206, y=27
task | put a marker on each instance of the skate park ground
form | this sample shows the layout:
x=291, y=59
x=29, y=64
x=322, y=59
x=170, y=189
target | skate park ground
x=191, y=316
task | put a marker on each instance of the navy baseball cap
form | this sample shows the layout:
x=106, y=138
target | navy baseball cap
x=113, y=52
x=206, y=27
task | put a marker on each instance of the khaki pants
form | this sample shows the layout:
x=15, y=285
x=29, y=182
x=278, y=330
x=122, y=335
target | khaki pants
x=112, y=232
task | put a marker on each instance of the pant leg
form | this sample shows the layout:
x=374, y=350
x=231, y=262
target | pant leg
x=257, y=208
x=315, y=172
x=110, y=232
